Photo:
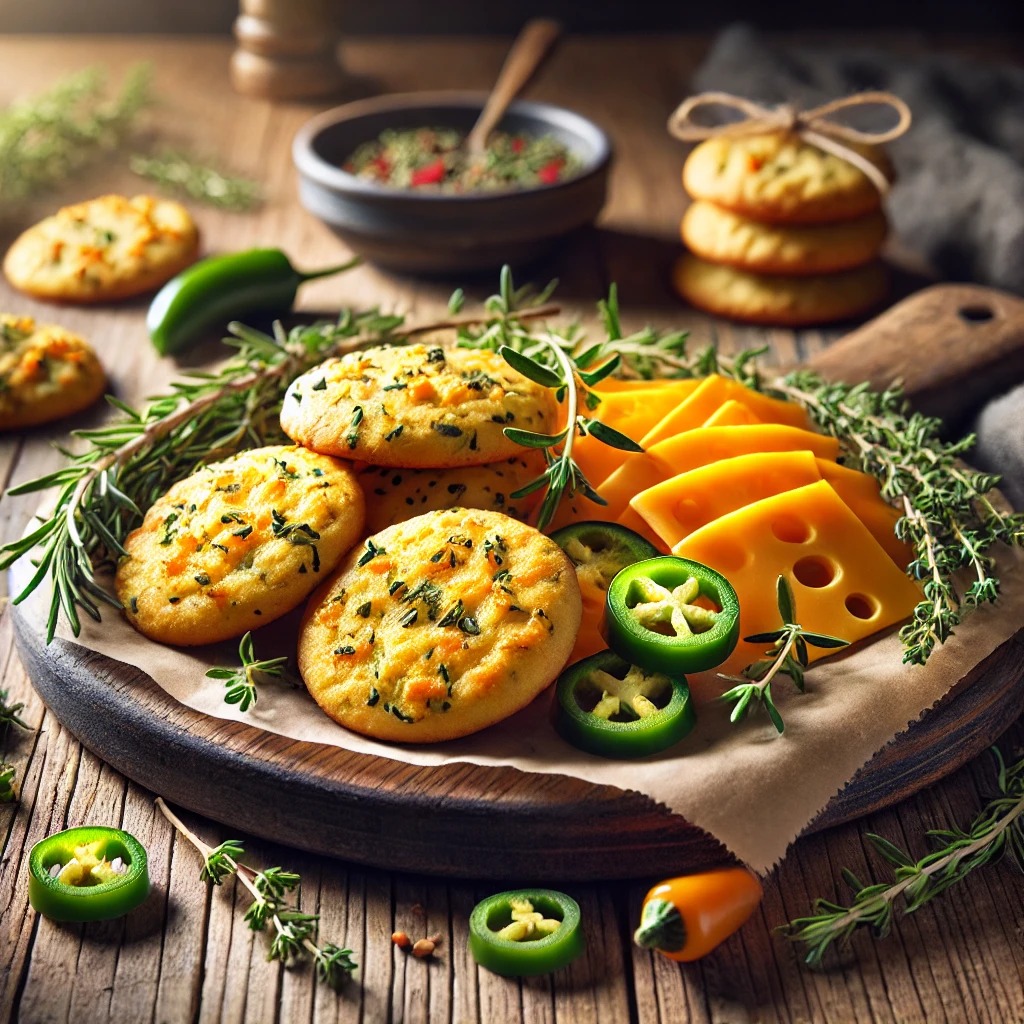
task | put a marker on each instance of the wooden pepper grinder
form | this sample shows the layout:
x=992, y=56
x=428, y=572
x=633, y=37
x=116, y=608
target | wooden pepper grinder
x=287, y=50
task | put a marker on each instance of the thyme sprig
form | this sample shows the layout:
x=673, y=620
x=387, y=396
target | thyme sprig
x=948, y=516
x=240, y=682
x=175, y=171
x=294, y=931
x=997, y=830
x=9, y=715
x=46, y=139
x=787, y=656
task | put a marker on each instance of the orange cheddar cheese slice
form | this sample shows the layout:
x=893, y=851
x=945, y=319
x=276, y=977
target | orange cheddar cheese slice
x=714, y=391
x=844, y=583
x=731, y=414
x=679, y=506
x=695, y=448
x=862, y=493
x=632, y=412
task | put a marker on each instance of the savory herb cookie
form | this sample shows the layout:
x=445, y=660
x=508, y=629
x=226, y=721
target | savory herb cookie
x=440, y=626
x=724, y=237
x=394, y=495
x=415, y=407
x=45, y=373
x=104, y=249
x=237, y=544
x=779, y=177
x=784, y=300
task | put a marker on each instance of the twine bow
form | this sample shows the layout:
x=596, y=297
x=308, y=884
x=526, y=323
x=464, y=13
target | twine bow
x=813, y=126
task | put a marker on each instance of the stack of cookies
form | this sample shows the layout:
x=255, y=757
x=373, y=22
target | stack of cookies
x=781, y=232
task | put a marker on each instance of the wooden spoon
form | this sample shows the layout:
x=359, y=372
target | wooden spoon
x=527, y=53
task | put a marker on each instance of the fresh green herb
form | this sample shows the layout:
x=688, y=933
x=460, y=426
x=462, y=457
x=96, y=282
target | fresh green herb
x=49, y=138
x=10, y=713
x=787, y=656
x=241, y=681
x=408, y=618
x=996, y=831
x=396, y=432
x=446, y=429
x=177, y=172
x=363, y=611
x=294, y=933
x=453, y=615
x=371, y=552
x=352, y=437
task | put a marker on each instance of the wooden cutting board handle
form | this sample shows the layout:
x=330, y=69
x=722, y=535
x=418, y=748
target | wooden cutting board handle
x=954, y=346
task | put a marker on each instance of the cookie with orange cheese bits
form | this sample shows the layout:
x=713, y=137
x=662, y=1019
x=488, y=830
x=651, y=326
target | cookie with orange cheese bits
x=237, y=544
x=46, y=373
x=104, y=249
x=440, y=626
x=416, y=407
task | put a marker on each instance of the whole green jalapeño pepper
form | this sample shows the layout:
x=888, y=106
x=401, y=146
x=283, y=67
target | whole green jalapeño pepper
x=527, y=931
x=87, y=874
x=610, y=708
x=219, y=289
x=657, y=620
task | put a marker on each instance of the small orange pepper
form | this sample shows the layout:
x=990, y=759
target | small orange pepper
x=685, y=918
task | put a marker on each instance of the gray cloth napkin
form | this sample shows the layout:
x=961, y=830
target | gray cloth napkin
x=959, y=198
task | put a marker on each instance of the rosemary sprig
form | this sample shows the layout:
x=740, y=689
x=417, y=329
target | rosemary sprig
x=240, y=682
x=178, y=172
x=45, y=140
x=294, y=931
x=787, y=656
x=997, y=830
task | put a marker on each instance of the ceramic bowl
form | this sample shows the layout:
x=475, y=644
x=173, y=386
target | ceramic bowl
x=431, y=233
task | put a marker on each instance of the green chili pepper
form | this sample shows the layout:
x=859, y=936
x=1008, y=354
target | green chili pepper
x=610, y=708
x=654, y=622
x=526, y=931
x=214, y=291
x=87, y=874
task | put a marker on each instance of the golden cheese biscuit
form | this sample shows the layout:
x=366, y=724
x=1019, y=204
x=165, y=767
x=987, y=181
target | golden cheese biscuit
x=440, y=626
x=783, y=300
x=46, y=372
x=104, y=249
x=721, y=236
x=779, y=177
x=415, y=407
x=394, y=495
x=238, y=544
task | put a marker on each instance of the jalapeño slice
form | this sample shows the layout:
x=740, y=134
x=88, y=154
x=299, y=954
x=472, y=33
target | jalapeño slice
x=87, y=874
x=610, y=708
x=672, y=615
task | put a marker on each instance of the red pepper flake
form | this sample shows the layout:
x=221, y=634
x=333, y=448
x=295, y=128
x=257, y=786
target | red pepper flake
x=754, y=162
x=381, y=166
x=432, y=174
x=518, y=144
x=551, y=172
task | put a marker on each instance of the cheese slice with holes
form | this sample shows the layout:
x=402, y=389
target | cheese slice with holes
x=844, y=584
x=631, y=411
x=700, y=447
x=731, y=414
x=682, y=504
x=713, y=392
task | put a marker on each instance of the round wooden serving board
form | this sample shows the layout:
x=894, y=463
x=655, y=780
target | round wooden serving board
x=473, y=822
x=460, y=820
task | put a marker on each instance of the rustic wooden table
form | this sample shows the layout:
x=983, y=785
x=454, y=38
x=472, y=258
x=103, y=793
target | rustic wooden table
x=187, y=955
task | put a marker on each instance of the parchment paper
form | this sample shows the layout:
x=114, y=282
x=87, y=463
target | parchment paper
x=752, y=790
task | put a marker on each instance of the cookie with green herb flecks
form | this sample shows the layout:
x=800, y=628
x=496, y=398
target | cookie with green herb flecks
x=415, y=407
x=395, y=495
x=238, y=544
x=440, y=626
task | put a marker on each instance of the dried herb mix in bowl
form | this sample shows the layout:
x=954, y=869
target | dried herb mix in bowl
x=432, y=159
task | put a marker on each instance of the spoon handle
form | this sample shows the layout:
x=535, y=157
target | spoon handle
x=529, y=49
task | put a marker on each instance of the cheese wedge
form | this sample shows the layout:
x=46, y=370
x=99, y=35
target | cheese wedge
x=843, y=583
x=631, y=411
x=714, y=391
x=699, y=447
x=731, y=414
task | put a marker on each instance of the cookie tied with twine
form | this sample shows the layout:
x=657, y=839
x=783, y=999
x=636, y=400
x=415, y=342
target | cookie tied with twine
x=814, y=126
